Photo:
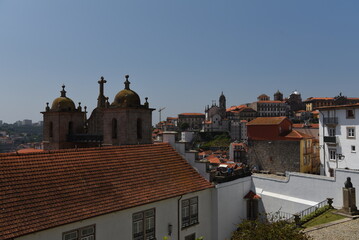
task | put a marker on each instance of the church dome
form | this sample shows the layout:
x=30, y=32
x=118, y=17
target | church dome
x=126, y=97
x=295, y=92
x=63, y=103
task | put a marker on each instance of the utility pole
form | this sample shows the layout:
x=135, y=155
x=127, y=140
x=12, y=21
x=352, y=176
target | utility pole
x=160, y=110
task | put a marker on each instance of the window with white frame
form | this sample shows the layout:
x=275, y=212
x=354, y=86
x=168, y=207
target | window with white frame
x=353, y=149
x=350, y=132
x=332, y=154
x=85, y=233
x=143, y=225
x=189, y=212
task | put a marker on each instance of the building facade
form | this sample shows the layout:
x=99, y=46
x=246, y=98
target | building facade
x=274, y=146
x=313, y=103
x=121, y=192
x=338, y=132
x=125, y=121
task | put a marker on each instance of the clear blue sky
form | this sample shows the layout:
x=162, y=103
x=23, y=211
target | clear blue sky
x=181, y=54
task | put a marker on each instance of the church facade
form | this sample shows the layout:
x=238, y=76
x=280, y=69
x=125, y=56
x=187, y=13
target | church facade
x=123, y=122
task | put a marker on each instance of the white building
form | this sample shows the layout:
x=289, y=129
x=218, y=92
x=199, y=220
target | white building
x=127, y=192
x=338, y=131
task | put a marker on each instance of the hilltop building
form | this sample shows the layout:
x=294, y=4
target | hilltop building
x=313, y=103
x=274, y=146
x=216, y=119
x=270, y=108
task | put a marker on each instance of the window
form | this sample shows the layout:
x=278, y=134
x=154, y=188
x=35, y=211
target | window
x=350, y=113
x=51, y=130
x=190, y=237
x=332, y=154
x=353, y=148
x=71, y=128
x=331, y=132
x=189, y=212
x=114, y=128
x=143, y=225
x=139, y=128
x=350, y=132
x=85, y=233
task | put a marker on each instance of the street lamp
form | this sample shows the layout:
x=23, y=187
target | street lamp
x=339, y=156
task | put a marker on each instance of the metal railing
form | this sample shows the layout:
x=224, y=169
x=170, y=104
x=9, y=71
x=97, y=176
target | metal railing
x=330, y=120
x=290, y=217
x=311, y=209
x=330, y=139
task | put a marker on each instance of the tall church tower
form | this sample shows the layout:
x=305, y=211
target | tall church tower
x=61, y=122
x=124, y=121
x=278, y=96
x=222, y=101
x=222, y=105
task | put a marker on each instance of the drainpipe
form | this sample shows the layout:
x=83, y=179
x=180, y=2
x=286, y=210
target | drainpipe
x=325, y=174
x=179, y=218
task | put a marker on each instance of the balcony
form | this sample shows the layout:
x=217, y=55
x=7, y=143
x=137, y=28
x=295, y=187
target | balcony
x=330, y=120
x=328, y=139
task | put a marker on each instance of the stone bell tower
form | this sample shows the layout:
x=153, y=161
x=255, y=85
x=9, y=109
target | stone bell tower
x=124, y=121
x=61, y=122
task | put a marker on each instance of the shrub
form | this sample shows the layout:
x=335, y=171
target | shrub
x=267, y=230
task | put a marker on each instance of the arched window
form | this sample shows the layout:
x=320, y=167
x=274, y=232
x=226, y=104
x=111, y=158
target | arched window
x=114, y=128
x=139, y=128
x=51, y=129
x=71, y=128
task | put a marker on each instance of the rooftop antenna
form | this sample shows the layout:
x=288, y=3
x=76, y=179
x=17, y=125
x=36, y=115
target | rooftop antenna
x=160, y=110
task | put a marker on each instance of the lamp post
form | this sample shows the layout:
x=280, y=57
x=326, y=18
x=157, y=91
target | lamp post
x=338, y=156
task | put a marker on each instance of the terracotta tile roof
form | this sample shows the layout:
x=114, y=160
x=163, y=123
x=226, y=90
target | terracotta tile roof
x=43, y=190
x=294, y=134
x=251, y=195
x=172, y=118
x=233, y=108
x=29, y=150
x=266, y=121
x=320, y=98
x=356, y=105
x=302, y=125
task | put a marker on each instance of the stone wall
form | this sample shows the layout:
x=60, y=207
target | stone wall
x=274, y=156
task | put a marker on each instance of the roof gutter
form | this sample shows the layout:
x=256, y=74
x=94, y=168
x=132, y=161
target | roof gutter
x=179, y=219
x=323, y=147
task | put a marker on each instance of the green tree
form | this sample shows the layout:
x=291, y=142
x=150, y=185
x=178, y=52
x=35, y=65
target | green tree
x=268, y=230
x=184, y=126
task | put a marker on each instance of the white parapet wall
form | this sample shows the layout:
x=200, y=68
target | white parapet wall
x=300, y=191
x=229, y=206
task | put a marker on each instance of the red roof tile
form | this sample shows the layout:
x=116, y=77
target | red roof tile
x=43, y=190
x=266, y=121
x=29, y=150
x=356, y=105
x=251, y=195
x=233, y=108
x=294, y=134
